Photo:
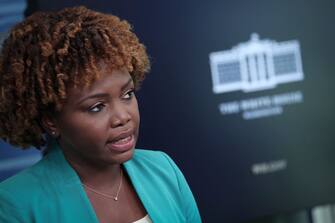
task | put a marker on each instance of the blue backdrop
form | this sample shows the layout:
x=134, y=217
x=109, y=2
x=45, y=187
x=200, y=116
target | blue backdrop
x=244, y=153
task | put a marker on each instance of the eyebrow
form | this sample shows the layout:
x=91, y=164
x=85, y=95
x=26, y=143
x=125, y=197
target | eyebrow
x=130, y=80
x=104, y=95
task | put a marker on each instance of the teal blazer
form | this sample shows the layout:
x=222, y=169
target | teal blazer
x=51, y=191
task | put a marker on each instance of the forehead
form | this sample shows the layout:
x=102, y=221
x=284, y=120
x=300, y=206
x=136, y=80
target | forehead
x=107, y=81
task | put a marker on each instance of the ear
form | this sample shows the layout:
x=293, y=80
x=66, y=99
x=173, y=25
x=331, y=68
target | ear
x=50, y=125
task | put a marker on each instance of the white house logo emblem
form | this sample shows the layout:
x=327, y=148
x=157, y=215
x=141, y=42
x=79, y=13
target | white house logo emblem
x=256, y=65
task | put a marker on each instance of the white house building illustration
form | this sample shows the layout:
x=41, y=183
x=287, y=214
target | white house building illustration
x=256, y=65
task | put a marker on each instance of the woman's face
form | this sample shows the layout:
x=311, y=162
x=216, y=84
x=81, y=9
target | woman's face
x=99, y=124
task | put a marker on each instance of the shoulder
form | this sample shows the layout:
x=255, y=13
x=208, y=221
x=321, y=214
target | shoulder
x=25, y=179
x=155, y=173
x=25, y=184
x=156, y=161
x=152, y=156
x=19, y=193
x=155, y=168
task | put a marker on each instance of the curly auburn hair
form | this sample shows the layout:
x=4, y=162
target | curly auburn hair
x=50, y=52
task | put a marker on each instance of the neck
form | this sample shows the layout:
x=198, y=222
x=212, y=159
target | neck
x=99, y=178
x=90, y=173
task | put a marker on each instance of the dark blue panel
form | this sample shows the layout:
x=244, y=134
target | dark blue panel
x=238, y=168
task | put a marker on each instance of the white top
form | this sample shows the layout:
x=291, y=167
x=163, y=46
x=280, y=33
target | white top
x=145, y=219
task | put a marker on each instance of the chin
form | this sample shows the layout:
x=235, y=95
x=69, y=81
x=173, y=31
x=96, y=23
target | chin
x=123, y=157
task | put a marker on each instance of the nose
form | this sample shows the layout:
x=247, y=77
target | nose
x=119, y=116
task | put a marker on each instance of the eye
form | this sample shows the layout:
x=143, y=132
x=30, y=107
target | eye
x=96, y=108
x=129, y=94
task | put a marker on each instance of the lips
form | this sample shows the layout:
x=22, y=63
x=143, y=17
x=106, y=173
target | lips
x=122, y=143
x=122, y=140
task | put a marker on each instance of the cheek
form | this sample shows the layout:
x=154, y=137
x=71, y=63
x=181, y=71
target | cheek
x=84, y=129
x=136, y=119
x=135, y=113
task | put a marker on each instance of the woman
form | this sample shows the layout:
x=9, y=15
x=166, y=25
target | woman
x=67, y=82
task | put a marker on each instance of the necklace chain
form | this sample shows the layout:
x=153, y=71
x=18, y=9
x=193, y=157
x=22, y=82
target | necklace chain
x=115, y=198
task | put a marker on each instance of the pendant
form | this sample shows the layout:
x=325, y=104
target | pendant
x=115, y=198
